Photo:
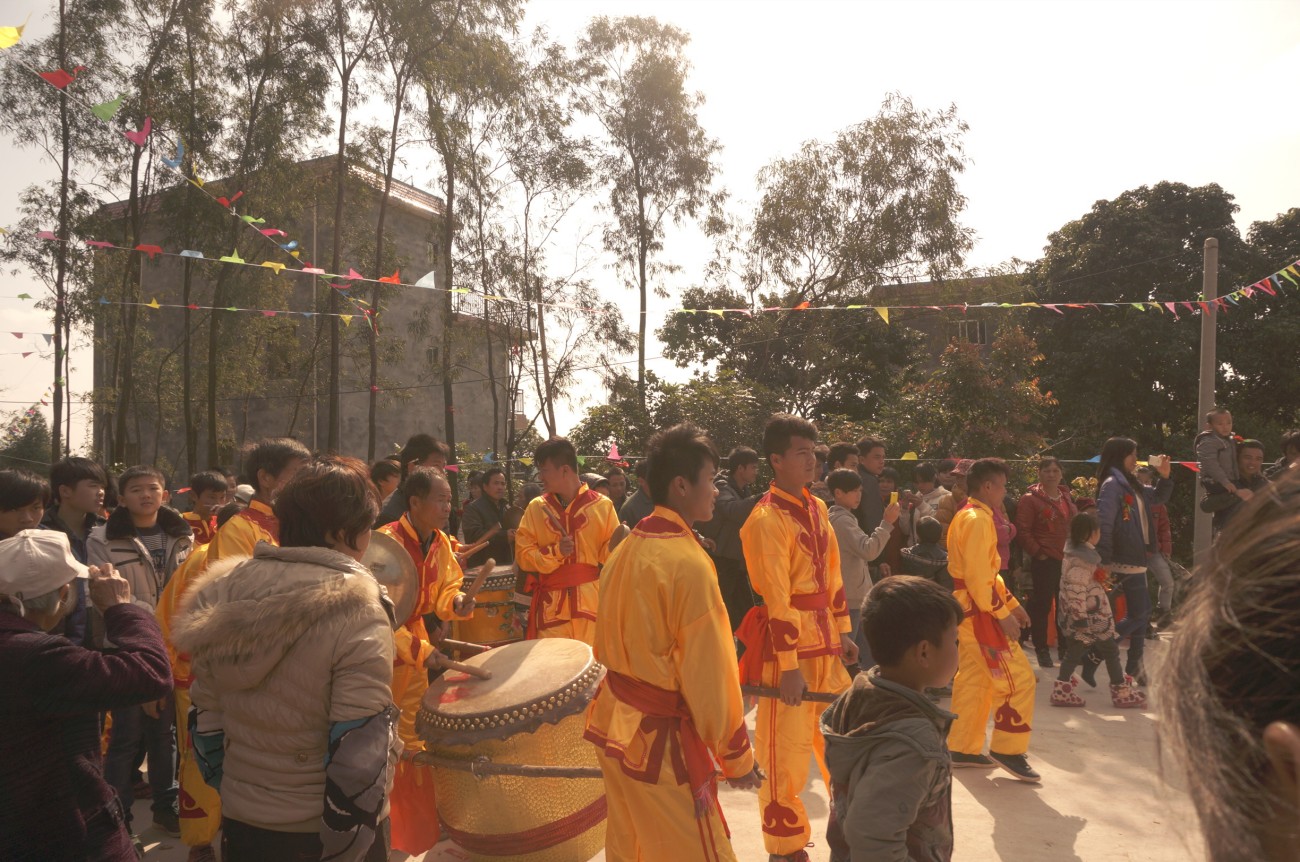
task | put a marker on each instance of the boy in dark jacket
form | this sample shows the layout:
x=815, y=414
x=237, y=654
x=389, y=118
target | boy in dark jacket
x=886, y=743
x=927, y=558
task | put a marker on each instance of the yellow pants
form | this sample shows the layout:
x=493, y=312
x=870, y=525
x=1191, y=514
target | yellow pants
x=199, y=804
x=976, y=691
x=656, y=822
x=579, y=630
x=784, y=736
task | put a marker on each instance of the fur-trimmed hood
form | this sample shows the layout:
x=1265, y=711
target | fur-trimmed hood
x=241, y=616
x=120, y=526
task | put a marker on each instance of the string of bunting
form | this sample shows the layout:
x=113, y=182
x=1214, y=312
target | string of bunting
x=18, y=425
x=1271, y=285
x=61, y=79
x=48, y=336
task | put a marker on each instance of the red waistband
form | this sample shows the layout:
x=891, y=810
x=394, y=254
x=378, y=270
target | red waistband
x=663, y=703
x=810, y=601
x=569, y=575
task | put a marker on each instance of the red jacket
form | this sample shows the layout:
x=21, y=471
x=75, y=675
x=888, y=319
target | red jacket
x=1041, y=526
x=1164, y=537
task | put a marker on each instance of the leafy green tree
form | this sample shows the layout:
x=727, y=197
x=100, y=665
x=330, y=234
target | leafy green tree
x=658, y=160
x=1119, y=370
x=974, y=405
x=25, y=440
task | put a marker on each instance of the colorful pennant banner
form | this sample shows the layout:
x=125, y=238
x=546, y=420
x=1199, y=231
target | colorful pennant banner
x=1271, y=285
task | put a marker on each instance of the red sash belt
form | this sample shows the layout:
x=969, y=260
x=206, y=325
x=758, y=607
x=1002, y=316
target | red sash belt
x=668, y=709
x=988, y=631
x=755, y=633
x=567, y=578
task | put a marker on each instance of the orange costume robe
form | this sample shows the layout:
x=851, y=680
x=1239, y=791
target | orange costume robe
x=991, y=667
x=794, y=564
x=413, y=813
x=198, y=805
x=238, y=536
x=204, y=528
x=670, y=704
x=567, y=589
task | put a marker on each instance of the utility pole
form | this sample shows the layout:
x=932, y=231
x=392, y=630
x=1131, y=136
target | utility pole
x=1204, y=530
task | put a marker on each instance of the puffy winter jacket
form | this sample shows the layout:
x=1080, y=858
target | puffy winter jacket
x=290, y=649
x=117, y=542
x=857, y=549
x=1042, y=524
x=730, y=510
x=1082, y=607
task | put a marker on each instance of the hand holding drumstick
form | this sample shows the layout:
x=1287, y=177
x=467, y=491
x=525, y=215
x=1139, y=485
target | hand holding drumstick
x=566, y=541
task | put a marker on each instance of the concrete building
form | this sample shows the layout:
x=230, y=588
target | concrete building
x=288, y=394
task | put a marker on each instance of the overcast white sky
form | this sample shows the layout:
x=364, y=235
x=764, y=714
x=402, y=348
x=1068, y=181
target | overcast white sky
x=1067, y=102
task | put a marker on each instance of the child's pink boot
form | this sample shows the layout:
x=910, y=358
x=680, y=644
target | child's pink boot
x=1063, y=694
x=1127, y=695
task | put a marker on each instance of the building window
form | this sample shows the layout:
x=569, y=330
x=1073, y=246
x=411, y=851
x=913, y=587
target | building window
x=974, y=331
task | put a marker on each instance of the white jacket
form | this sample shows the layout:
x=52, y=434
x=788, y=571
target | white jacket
x=285, y=645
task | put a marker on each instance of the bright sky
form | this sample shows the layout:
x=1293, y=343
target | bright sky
x=1067, y=102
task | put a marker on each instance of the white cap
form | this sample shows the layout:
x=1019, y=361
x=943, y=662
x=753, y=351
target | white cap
x=244, y=493
x=36, y=562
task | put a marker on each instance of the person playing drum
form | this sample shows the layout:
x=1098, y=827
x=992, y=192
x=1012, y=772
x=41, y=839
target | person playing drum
x=670, y=702
x=564, y=539
x=421, y=532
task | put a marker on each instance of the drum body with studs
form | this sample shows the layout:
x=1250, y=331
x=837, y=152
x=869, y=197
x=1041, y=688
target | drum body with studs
x=493, y=622
x=530, y=713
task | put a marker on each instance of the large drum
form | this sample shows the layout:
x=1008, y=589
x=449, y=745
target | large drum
x=530, y=713
x=493, y=622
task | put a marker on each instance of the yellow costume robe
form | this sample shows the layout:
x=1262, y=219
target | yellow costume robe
x=567, y=589
x=664, y=637
x=992, y=669
x=238, y=536
x=794, y=564
x=204, y=528
x=414, y=818
x=198, y=805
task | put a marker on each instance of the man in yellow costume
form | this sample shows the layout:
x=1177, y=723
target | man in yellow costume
x=992, y=672
x=670, y=704
x=269, y=466
x=563, y=540
x=413, y=815
x=799, y=639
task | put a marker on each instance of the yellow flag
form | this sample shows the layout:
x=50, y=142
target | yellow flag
x=153, y=303
x=908, y=456
x=346, y=318
x=9, y=36
x=277, y=267
x=884, y=314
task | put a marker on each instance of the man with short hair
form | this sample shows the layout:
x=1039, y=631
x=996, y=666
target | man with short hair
x=993, y=672
x=841, y=456
x=871, y=463
x=485, y=518
x=617, y=486
x=670, y=703
x=563, y=540
x=638, y=505
x=799, y=639
x=733, y=505
x=1290, y=455
x=387, y=475
x=77, y=488
x=421, y=450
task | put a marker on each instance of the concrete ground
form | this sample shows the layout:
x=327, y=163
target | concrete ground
x=1102, y=797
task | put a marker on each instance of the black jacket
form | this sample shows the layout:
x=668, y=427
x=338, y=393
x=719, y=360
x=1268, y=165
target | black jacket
x=730, y=511
x=480, y=516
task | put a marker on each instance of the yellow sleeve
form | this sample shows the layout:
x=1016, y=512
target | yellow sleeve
x=536, y=542
x=835, y=576
x=1009, y=601
x=980, y=550
x=706, y=654
x=236, y=538
x=766, y=545
x=410, y=650
x=450, y=579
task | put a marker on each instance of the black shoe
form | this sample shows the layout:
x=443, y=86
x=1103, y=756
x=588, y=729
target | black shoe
x=960, y=761
x=166, y=821
x=1045, y=658
x=1017, y=765
x=1088, y=670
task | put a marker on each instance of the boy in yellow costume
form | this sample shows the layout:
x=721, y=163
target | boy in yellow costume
x=269, y=466
x=563, y=540
x=670, y=704
x=413, y=815
x=992, y=672
x=799, y=639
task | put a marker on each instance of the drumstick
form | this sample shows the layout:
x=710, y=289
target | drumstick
x=555, y=522
x=480, y=578
x=461, y=646
x=764, y=691
x=448, y=664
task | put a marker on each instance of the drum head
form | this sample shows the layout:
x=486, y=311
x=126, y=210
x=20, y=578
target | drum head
x=393, y=567
x=533, y=682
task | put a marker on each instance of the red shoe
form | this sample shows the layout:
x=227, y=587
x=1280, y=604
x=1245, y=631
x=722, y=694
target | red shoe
x=1127, y=695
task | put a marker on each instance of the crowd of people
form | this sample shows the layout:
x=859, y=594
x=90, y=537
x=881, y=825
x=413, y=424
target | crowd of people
x=237, y=648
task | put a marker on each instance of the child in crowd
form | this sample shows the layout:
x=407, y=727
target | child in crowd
x=146, y=542
x=857, y=549
x=77, y=491
x=387, y=475
x=1085, y=617
x=890, y=561
x=209, y=491
x=23, y=498
x=1216, y=460
x=886, y=743
x=927, y=558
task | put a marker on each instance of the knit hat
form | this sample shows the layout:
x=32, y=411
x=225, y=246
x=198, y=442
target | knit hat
x=36, y=562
